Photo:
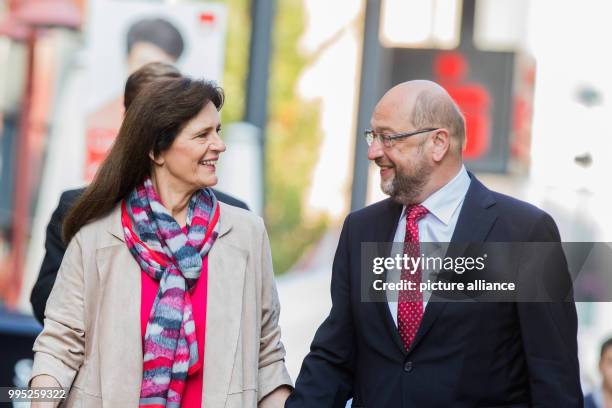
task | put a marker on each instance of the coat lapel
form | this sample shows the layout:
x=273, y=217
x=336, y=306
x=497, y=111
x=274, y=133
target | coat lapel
x=226, y=273
x=119, y=312
x=477, y=216
x=119, y=318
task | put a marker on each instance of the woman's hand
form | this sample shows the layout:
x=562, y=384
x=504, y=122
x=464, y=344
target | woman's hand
x=44, y=381
x=276, y=399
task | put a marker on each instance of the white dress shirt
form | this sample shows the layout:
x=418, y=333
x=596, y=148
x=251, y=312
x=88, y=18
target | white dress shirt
x=438, y=225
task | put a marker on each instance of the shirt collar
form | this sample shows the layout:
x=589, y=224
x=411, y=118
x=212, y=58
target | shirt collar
x=444, y=202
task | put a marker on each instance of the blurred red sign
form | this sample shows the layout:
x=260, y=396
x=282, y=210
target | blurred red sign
x=207, y=18
x=451, y=69
x=98, y=144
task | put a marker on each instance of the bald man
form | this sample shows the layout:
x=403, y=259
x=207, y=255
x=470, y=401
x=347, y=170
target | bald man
x=412, y=351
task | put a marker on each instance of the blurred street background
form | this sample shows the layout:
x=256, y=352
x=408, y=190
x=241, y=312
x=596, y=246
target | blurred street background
x=301, y=78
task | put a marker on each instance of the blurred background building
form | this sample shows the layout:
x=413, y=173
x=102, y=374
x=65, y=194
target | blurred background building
x=301, y=79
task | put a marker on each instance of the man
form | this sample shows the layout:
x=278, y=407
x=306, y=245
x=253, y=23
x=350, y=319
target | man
x=54, y=244
x=602, y=397
x=436, y=354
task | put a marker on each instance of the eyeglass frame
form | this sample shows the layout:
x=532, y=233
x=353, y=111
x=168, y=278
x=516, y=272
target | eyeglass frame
x=387, y=140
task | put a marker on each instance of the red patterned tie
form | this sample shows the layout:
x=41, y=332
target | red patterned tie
x=410, y=305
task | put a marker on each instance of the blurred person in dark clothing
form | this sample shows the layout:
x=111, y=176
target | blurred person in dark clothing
x=54, y=245
x=602, y=396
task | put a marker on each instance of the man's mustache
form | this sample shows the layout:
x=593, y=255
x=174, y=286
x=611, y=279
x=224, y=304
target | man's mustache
x=381, y=163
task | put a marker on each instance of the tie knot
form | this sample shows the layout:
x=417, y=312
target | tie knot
x=415, y=212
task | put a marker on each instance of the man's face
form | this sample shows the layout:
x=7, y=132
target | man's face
x=605, y=367
x=404, y=167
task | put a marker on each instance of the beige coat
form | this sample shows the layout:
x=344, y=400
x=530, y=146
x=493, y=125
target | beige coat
x=91, y=339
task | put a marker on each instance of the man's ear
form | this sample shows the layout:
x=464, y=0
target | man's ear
x=159, y=160
x=441, y=144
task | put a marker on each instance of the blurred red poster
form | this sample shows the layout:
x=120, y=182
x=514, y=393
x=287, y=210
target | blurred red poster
x=122, y=36
x=98, y=144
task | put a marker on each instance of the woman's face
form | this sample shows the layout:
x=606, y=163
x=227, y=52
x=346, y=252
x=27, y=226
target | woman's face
x=190, y=162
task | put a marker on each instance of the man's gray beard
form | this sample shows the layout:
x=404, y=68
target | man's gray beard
x=404, y=188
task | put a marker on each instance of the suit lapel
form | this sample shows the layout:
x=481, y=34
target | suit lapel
x=385, y=233
x=477, y=216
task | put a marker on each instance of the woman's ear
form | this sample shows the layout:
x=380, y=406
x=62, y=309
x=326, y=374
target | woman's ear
x=159, y=160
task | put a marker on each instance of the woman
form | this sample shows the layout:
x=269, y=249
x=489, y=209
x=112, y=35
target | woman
x=165, y=296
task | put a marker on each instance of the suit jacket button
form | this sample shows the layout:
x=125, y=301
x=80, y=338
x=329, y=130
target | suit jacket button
x=408, y=366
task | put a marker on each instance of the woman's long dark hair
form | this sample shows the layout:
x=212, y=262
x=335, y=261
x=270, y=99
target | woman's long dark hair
x=151, y=124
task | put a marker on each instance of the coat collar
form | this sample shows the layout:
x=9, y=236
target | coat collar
x=114, y=228
x=443, y=203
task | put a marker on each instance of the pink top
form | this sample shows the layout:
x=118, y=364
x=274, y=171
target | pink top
x=192, y=396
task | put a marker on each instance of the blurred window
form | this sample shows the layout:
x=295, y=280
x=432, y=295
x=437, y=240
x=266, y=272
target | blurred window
x=420, y=23
x=500, y=25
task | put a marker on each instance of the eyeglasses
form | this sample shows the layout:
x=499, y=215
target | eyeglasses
x=388, y=140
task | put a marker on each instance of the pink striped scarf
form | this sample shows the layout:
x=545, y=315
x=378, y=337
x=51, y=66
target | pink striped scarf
x=174, y=258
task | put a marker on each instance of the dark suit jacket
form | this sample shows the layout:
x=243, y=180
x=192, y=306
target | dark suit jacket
x=474, y=354
x=55, y=248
